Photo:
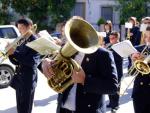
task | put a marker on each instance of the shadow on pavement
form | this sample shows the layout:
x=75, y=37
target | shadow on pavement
x=9, y=110
x=126, y=97
x=45, y=101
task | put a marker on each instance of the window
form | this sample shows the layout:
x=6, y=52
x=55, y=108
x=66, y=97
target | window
x=79, y=9
x=8, y=33
x=107, y=13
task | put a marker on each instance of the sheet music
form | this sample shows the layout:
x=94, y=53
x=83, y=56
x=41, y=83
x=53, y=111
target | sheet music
x=124, y=48
x=43, y=46
x=45, y=34
x=128, y=25
x=143, y=27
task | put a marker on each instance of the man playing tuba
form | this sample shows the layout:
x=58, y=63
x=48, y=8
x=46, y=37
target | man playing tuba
x=97, y=76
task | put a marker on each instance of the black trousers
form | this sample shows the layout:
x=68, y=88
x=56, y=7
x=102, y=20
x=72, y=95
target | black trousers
x=141, y=105
x=114, y=98
x=24, y=100
x=63, y=110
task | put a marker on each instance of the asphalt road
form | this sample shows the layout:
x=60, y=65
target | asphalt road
x=45, y=98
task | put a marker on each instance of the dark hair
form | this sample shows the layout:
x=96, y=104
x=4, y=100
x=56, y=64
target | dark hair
x=148, y=28
x=25, y=21
x=109, y=23
x=115, y=33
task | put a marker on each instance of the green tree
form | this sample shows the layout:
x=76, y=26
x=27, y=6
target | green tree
x=41, y=10
x=136, y=8
x=37, y=10
x=60, y=10
x=4, y=14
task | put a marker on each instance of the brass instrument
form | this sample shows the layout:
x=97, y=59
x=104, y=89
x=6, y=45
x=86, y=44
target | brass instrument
x=141, y=66
x=18, y=41
x=128, y=34
x=81, y=37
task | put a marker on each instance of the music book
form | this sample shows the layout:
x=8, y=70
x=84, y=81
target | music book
x=45, y=34
x=44, y=46
x=124, y=48
x=128, y=25
x=103, y=34
x=143, y=27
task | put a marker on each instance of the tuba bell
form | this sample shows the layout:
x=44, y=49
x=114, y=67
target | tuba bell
x=81, y=37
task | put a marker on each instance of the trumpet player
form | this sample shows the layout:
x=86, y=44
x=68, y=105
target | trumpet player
x=141, y=88
x=26, y=60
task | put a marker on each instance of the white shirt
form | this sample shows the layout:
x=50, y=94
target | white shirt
x=71, y=100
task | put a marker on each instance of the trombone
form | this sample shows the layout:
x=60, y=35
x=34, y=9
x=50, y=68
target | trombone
x=139, y=67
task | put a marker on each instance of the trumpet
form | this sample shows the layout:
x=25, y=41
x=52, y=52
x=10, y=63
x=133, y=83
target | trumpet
x=18, y=41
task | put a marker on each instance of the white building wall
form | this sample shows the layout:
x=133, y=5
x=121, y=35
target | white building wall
x=93, y=11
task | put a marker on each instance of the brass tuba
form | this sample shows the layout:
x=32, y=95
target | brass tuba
x=81, y=37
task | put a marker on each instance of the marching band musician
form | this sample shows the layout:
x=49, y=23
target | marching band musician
x=141, y=88
x=26, y=60
x=108, y=29
x=114, y=98
x=134, y=32
x=98, y=76
x=145, y=21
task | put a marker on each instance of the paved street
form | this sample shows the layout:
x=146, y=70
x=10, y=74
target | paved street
x=45, y=99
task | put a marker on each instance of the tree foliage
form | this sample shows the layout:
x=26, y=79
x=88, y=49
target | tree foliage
x=60, y=9
x=136, y=8
x=37, y=10
x=40, y=10
x=4, y=14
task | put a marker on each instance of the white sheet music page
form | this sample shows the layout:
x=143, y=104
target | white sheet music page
x=43, y=46
x=124, y=48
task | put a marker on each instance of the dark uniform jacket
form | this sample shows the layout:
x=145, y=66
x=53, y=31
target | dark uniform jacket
x=101, y=78
x=136, y=38
x=142, y=82
x=118, y=61
x=26, y=61
x=106, y=39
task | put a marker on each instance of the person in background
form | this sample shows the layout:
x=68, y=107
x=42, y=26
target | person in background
x=114, y=98
x=134, y=35
x=141, y=87
x=101, y=39
x=97, y=76
x=134, y=32
x=26, y=61
x=108, y=30
x=146, y=22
